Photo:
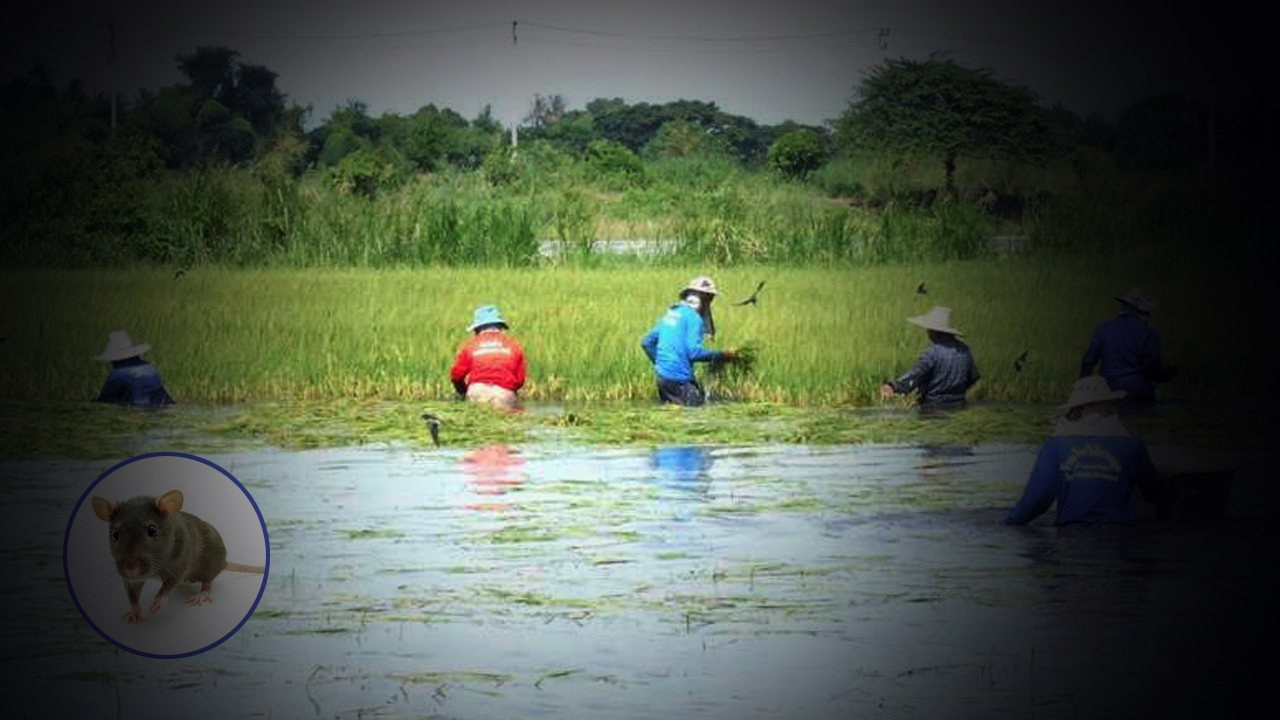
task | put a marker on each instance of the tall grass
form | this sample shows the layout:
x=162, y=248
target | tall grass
x=856, y=211
x=823, y=336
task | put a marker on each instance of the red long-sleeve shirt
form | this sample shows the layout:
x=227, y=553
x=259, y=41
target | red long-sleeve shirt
x=490, y=357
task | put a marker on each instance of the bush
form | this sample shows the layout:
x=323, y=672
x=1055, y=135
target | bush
x=610, y=161
x=797, y=153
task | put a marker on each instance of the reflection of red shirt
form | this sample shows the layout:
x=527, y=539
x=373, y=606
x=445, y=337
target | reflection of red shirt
x=491, y=357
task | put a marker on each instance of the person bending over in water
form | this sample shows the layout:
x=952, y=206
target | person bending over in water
x=1128, y=348
x=945, y=371
x=675, y=344
x=490, y=367
x=132, y=381
x=1091, y=467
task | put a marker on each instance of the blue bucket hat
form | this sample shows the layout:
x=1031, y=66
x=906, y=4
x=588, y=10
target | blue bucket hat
x=486, y=315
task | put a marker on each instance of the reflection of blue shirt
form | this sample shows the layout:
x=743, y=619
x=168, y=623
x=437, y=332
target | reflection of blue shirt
x=681, y=462
x=1129, y=350
x=135, y=382
x=675, y=344
x=1091, y=478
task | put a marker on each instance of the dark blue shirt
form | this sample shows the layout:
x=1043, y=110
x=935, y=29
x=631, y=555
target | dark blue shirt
x=1092, y=478
x=1129, y=350
x=135, y=382
x=675, y=344
x=944, y=373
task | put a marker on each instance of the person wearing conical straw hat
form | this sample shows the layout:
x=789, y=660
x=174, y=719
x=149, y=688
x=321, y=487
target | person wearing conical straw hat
x=945, y=370
x=132, y=381
x=490, y=367
x=1127, y=350
x=1091, y=467
x=675, y=344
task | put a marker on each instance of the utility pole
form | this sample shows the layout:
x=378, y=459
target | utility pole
x=515, y=120
x=111, y=71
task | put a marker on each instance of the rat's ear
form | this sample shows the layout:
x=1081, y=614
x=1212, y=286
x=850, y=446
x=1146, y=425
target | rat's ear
x=169, y=503
x=104, y=509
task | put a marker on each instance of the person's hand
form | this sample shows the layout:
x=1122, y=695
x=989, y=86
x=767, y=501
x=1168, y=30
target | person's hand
x=886, y=391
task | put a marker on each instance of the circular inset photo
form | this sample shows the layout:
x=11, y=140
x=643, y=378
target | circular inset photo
x=166, y=555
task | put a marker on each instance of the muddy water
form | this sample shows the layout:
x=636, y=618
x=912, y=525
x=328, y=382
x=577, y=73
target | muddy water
x=552, y=581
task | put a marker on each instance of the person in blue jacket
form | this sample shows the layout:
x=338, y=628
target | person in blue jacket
x=1128, y=348
x=675, y=344
x=133, y=381
x=944, y=372
x=1091, y=467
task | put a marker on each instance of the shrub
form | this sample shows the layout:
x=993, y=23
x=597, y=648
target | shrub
x=797, y=153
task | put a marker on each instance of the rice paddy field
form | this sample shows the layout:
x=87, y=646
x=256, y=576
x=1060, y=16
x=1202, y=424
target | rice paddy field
x=303, y=357
x=797, y=548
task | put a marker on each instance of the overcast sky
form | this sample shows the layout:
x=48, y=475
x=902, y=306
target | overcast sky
x=770, y=61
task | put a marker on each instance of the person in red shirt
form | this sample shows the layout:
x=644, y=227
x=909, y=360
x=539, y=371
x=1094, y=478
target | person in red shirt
x=490, y=367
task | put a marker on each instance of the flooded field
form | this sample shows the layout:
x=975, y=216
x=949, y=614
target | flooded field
x=550, y=580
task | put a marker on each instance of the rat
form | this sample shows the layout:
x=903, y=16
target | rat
x=151, y=537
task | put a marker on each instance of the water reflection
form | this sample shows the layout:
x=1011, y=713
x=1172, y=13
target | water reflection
x=940, y=459
x=815, y=582
x=492, y=471
x=682, y=467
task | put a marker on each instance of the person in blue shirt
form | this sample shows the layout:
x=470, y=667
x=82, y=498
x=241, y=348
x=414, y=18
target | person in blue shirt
x=675, y=344
x=945, y=370
x=1091, y=467
x=133, y=381
x=1128, y=349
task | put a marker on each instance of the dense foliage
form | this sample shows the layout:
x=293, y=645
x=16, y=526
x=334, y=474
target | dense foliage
x=222, y=169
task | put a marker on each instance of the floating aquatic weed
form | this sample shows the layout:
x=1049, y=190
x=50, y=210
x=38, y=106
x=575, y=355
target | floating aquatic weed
x=555, y=674
x=373, y=533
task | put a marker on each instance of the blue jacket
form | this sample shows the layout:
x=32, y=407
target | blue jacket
x=135, y=383
x=944, y=372
x=1092, y=478
x=675, y=344
x=1129, y=350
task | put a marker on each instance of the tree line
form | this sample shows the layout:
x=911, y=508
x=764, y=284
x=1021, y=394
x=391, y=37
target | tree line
x=72, y=154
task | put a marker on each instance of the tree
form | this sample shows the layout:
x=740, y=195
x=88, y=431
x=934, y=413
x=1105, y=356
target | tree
x=798, y=153
x=939, y=107
x=546, y=110
x=682, y=138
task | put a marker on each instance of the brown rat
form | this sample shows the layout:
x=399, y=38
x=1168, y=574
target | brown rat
x=152, y=538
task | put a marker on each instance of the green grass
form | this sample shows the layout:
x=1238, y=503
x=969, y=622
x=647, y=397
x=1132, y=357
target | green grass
x=821, y=337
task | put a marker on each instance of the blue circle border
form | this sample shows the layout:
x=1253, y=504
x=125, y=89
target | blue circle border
x=66, y=540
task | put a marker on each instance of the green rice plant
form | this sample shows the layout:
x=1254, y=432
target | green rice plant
x=820, y=336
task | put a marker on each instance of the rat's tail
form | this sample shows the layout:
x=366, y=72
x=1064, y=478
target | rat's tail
x=237, y=567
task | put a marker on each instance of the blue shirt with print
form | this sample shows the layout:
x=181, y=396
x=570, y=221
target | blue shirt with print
x=1093, y=479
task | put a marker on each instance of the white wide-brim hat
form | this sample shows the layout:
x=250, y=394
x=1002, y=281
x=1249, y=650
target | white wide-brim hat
x=938, y=318
x=1138, y=298
x=121, y=346
x=702, y=284
x=1091, y=389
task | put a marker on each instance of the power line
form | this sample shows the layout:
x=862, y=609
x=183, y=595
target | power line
x=420, y=32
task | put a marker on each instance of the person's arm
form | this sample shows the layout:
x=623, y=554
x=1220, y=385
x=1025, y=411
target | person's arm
x=649, y=343
x=115, y=389
x=1152, y=364
x=461, y=367
x=908, y=381
x=1041, y=489
x=973, y=375
x=520, y=367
